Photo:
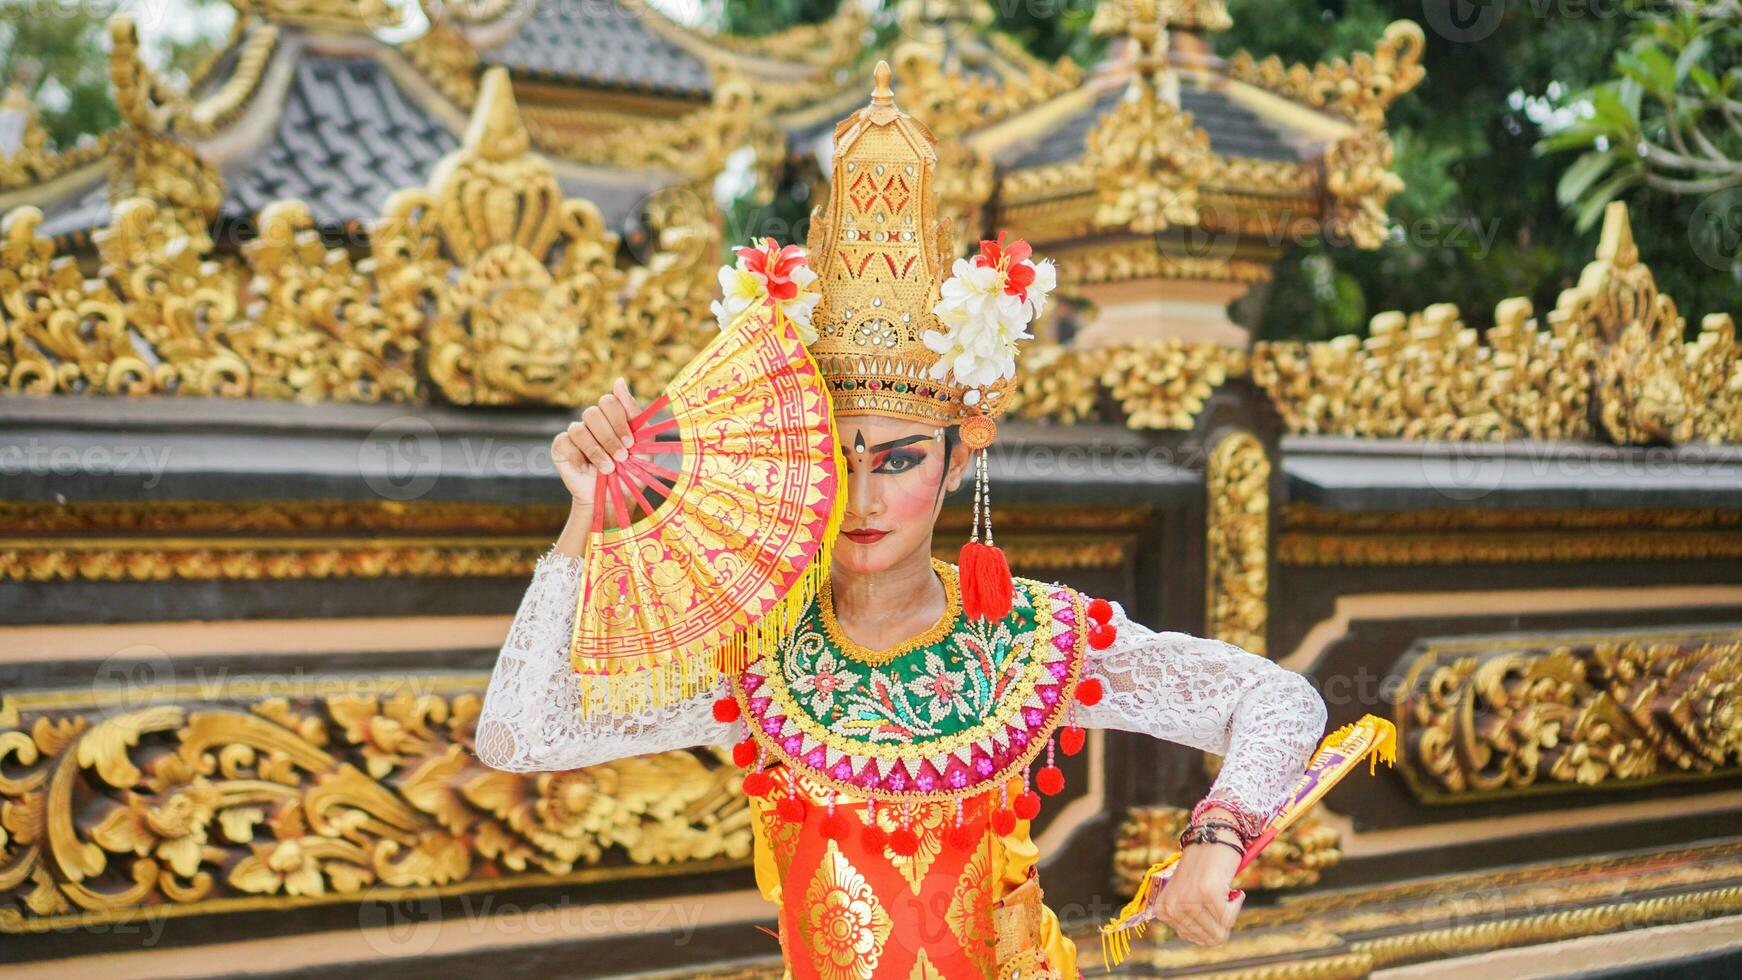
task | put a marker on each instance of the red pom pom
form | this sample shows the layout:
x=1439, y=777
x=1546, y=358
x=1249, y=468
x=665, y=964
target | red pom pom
x=757, y=784
x=1089, y=692
x=1101, y=636
x=1050, y=781
x=726, y=711
x=744, y=753
x=962, y=836
x=1003, y=822
x=904, y=842
x=876, y=838
x=1027, y=806
x=1100, y=610
x=1071, y=739
x=836, y=826
x=987, y=589
x=791, y=809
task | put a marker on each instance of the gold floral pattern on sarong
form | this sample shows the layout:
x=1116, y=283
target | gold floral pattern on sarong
x=969, y=915
x=923, y=970
x=843, y=924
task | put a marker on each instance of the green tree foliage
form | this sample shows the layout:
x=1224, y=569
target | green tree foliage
x=1480, y=219
x=1669, y=120
x=57, y=52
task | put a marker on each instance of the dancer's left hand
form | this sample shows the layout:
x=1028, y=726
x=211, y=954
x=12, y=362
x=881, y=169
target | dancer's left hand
x=1195, y=902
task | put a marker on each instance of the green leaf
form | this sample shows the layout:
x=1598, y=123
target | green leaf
x=1582, y=174
x=1591, y=210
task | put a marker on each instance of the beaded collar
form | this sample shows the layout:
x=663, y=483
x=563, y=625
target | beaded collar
x=937, y=719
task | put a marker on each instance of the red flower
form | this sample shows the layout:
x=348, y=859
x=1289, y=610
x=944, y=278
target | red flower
x=774, y=264
x=1011, y=260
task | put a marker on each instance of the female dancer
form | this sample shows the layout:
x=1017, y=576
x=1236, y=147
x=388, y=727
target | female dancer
x=892, y=739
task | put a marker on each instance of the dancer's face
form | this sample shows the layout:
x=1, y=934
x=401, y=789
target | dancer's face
x=897, y=475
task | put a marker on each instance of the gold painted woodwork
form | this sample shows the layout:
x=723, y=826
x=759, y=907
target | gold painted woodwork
x=485, y=287
x=1492, y=717
x=289, y=540
x=33, y=161
x=1315, y=537
x=1354, y=931
x=1150, y=834
x=358, y=15
x=1612, y=363
x=1146, y=157
x=1359, y=89
x=195, y=799
x=435, y=516
x=1237, y=542
x=524, y=283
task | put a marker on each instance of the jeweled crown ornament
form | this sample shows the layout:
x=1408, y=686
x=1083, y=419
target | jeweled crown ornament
x=882, y=254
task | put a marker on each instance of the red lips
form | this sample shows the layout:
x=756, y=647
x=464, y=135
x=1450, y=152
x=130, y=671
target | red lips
x=864, y=535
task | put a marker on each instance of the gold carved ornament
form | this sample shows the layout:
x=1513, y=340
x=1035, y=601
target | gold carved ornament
x=1147, y=157
x=152, y=802
x=1612, y=362
x=1358, y=177
x=1237, y=542
x=1511, y=715
x=32, y=160
x=1320, y=538
x=487, y=286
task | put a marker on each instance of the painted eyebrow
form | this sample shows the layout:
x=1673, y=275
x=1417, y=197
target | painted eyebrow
x=898, y=443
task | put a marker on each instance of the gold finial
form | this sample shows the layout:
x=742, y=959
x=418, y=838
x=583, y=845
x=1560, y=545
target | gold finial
x=881, y=95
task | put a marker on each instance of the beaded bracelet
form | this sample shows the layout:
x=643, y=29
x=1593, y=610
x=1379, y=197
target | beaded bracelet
x=1207, y=835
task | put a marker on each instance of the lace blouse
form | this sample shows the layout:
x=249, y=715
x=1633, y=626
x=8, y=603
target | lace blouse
x=1265, y=721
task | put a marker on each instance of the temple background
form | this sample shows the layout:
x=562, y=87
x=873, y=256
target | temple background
x=283, y=348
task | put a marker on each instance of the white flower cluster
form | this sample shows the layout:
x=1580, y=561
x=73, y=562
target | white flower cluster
x=987, y=306
x=771, y=274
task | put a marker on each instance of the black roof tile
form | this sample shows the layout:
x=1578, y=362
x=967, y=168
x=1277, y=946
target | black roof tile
x=599, y=42
x=1235, y=131
x=346, y=139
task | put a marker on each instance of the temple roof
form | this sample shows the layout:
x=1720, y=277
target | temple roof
x=600, y=43
x=1234, y=130
x=346, y=138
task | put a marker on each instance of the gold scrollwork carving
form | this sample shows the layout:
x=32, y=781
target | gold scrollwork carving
x=1147, y=157
x=1479, y=719
x=487, y=286
x=1150, y=834
x=149, y=803
x=1612, y=353
x=1359, y=89
x=1237, y=542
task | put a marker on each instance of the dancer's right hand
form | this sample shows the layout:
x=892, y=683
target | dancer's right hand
x=595, y=443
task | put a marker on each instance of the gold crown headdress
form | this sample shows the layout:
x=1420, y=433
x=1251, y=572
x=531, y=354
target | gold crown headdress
x=883, y=254
x=904, y=330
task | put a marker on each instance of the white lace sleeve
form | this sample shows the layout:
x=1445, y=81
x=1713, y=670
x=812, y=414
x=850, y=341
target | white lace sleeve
x=1265, y=721
x=531, y=720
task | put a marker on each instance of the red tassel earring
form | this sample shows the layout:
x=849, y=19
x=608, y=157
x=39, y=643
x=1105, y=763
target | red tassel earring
x=987, y=589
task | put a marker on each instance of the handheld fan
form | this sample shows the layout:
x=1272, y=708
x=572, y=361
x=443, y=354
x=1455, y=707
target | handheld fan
x=1372, y=738
x=715, y=555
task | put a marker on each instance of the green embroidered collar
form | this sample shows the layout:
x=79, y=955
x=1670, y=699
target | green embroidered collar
x=942, y=716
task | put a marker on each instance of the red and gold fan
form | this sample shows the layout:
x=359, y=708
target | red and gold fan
x=725, y=512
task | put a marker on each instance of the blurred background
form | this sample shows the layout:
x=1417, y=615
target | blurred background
x=1394, y=342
